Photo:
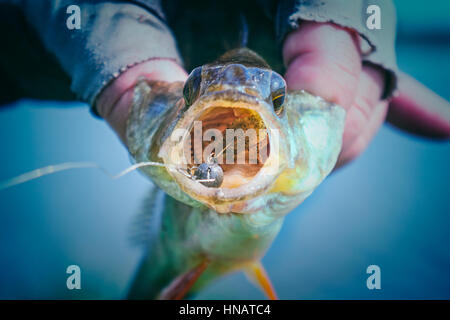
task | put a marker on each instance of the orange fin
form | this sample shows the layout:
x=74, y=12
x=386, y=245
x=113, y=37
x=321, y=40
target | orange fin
x=258, y=275
x=181, y=285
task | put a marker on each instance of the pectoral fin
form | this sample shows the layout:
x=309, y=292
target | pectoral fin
x=258, y=275
x=181, y=285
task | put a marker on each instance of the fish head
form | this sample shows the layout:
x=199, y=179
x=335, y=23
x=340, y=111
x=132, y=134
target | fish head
x=233, y=138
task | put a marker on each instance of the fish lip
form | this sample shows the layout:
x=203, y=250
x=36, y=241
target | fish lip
x=226, y=200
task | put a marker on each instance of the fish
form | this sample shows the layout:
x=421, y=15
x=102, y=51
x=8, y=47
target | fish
x=210, y=216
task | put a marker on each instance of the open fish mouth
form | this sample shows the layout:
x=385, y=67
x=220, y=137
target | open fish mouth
x=295, y=143
x=236, y=131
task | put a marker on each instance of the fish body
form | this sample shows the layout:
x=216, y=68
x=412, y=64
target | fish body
x=181, y=237
x=231, y=225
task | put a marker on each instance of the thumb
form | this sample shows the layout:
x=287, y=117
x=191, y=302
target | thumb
x=419, y=110
x=115, y=100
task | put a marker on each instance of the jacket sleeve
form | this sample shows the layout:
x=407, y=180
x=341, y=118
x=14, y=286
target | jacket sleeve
x=377, y=45
x=113, y=36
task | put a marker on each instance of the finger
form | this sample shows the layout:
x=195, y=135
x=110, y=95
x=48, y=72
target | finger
x=359, y=115
x=361, y=142
x=161, y=69
x=418, y=110
x=114, y=102
x=324, y=60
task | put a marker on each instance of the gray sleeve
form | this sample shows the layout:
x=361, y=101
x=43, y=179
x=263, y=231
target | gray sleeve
x=114, y=36
x=377, y=45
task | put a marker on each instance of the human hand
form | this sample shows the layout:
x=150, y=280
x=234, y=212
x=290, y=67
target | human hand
x=324, y=59
x=114, y=102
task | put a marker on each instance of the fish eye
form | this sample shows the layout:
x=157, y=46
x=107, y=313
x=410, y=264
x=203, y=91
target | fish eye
x=192, y=86
x=277, y=92
x=278, y=101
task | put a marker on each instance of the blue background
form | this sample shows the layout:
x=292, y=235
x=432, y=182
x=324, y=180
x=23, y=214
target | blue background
x=390, y=207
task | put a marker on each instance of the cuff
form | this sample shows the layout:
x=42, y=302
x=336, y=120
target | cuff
x=377, y=45
x=113, y=37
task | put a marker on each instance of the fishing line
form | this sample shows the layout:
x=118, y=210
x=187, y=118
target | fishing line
x=257, y=144
x=40, y=172
x=223, y=150
x=51, y=169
